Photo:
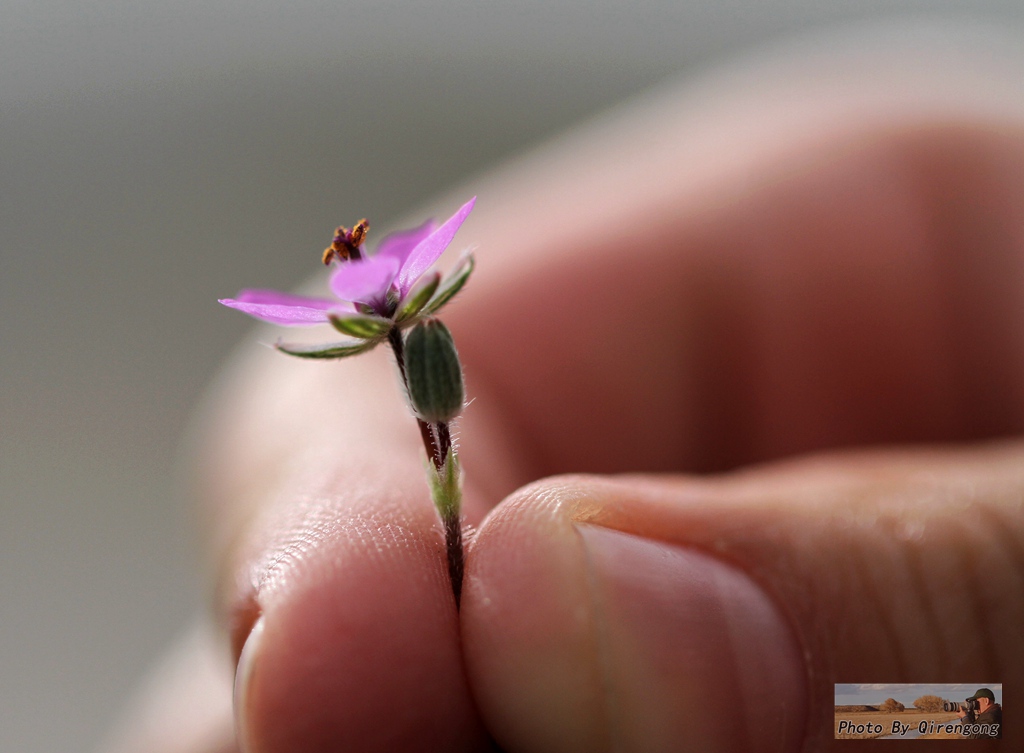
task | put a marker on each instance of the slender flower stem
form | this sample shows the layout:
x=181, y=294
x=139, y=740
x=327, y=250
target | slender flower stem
x=445, y=487
x=426, y=434
x=444, y=439
x=456, y=558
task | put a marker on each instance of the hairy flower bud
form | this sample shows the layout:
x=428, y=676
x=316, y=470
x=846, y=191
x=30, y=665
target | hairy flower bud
x=433, y=372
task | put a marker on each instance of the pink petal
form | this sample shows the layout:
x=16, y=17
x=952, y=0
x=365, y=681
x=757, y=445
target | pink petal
x=289, y=316
x=430, y=248
x=365, y=281
x=400, y=244
x=277, y=298
x=283, y=308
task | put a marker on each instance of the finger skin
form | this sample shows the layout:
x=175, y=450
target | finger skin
x=902, y=567
x=341, y=564
x=348, y=600
x=860, y=290
x=761, y=300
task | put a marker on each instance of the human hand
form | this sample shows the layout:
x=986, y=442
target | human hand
x=745, y=285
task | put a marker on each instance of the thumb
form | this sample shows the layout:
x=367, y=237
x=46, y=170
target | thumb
x=643, y=614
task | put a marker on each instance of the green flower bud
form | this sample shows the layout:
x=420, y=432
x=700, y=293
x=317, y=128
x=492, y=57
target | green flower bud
x=433, y=372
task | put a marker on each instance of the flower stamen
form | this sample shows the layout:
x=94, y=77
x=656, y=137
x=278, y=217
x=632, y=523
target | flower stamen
x=346, y=243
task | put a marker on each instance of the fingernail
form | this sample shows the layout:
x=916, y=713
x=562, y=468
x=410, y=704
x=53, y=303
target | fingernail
x=243, y=681
x=695, y=655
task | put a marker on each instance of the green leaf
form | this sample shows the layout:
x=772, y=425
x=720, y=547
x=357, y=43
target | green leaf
x=326, y=351
x=365, y=327
x=452, y=285
x=418, y=297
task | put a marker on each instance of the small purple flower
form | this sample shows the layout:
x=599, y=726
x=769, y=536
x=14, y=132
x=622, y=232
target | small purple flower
x=374, y=294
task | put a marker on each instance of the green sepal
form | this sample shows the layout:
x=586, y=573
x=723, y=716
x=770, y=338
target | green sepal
x=365, y=327
x=325, y=352
x=418, y=297
x=445, y=486
x=433, y=374
x=451, y=285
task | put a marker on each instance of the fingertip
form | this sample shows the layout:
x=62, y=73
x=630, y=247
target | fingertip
x=357, y=644
x=527, y=636
x=579, y=637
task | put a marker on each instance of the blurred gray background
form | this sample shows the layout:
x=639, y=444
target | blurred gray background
x=155, y=156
